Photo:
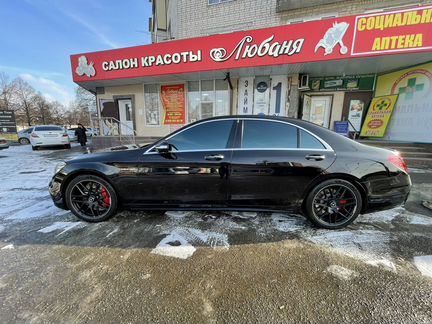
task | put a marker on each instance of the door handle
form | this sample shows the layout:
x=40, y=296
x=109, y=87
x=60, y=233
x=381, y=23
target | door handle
x=214, y=157
x=316, y=157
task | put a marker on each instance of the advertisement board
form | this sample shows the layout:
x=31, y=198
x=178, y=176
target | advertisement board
x=173, y=102
x=412, y=117
x=378, y=116
x=8, y=128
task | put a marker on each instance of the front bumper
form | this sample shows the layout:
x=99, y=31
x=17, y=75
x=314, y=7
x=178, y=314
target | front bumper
x=54, y=189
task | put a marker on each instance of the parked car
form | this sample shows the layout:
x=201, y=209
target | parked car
x=71, y=134
x=238, y=163
x=24, y=136
x=4, y=144
x=49, y=135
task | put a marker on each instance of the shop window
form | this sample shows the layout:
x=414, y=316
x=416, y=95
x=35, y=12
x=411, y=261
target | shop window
x=152, y=108
x=207, y=98
x=262, y=134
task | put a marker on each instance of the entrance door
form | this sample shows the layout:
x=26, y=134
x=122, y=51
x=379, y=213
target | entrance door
x=320, y=110
x=355, y=107
x=125, y=112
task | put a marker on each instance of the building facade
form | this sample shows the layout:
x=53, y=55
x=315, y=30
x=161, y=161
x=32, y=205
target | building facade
x=321, y=61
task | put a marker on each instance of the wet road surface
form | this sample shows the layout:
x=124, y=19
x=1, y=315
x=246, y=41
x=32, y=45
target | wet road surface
x=190, y=267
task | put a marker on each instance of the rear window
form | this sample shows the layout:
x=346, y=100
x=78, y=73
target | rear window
x=48, y=128
x=308, y=141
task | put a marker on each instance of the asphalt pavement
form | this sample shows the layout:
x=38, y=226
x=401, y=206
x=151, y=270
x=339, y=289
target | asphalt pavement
x=205, y=267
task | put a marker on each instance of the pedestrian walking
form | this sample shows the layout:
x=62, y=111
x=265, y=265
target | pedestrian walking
x=80, y=133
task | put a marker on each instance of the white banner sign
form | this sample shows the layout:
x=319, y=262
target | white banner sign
x=245, y=96
x=278, y=95
x=261, y=96
x=355, y=113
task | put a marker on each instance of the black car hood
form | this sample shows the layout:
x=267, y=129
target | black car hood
x=116, y=154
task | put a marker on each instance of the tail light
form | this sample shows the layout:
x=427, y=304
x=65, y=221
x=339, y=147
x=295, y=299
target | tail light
x=65, y=135
x=2, y=141
x=34, y=135
x=398, y=162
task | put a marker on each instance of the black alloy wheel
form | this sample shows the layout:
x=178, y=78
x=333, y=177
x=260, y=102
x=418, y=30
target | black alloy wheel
x=91, y=198
x=333, y=204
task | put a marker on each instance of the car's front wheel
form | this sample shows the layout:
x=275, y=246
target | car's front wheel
x=91, y=198
x=333, y=204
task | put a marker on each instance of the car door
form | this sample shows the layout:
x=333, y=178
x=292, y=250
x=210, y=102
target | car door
x=274, y=163
x=193, y=173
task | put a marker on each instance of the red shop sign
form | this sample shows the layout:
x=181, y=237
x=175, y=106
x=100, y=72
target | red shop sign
x=408, y=30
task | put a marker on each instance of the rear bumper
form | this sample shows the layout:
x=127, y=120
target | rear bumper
x=387, y=192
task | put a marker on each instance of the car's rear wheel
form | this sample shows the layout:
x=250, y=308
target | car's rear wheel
x=24, y=141
x=91, y=198
x=333, y=204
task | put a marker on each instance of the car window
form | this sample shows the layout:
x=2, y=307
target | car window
x=308, y=141
x=28, y=130
x=48, y=128
x=206, y=136
x=268, y=134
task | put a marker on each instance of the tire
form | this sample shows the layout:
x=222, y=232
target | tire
x=84, y=196
x=68, y=146
x=24, y=141
x=333, y=204
x=35, y=148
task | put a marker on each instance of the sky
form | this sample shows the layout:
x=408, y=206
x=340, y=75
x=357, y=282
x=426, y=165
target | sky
x=38, y=36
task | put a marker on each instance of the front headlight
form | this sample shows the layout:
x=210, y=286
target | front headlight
x=59, y=166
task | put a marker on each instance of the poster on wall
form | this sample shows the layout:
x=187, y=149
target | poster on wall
x=378, y=116
x=355, y=114
x=173, y=102
x=8, y=128
x=412, y=117
x=109, y=114
x=278, y=95
x=261, y=96
x=151, y=102
x=245, y=96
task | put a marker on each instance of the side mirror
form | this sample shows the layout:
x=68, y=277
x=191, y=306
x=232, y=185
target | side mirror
x=163, y=148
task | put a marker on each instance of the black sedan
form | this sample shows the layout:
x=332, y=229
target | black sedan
x=238, y=163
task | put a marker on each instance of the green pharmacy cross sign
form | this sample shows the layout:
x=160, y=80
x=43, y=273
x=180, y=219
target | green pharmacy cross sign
x=411, y=88
x=383, y=104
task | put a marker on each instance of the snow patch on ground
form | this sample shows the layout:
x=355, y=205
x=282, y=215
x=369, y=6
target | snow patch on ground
x=24, y=179
x=65, y=226
x=8, y=247
x=424, y=264
x=385, y=216
x=341, y=272
x=174, y=245
x=180, y=242
x=287, y=223
x=368, y=246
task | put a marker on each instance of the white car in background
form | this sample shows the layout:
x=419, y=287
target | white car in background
x=49, y=135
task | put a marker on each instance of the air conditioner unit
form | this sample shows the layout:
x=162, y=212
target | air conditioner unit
x=303, y=82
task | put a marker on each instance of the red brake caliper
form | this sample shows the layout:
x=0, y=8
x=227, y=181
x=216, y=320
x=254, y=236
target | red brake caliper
x=105, y=198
